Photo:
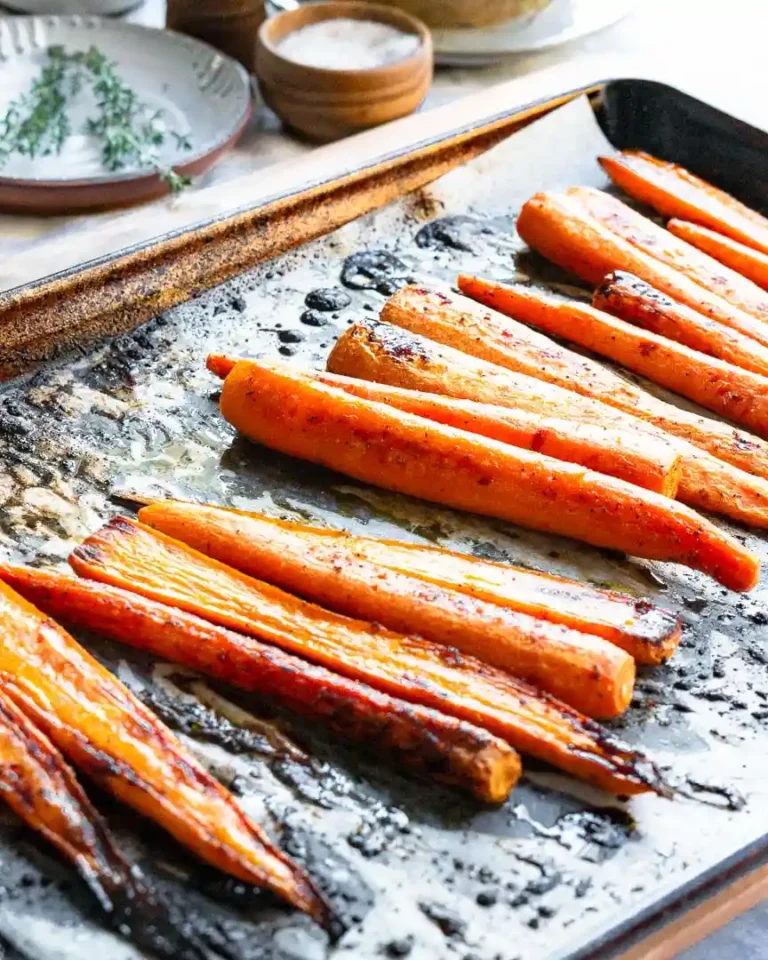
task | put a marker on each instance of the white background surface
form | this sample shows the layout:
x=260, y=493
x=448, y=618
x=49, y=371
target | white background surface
x=727, y=37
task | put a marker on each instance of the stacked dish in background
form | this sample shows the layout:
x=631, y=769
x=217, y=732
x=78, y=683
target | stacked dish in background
x=451, y=14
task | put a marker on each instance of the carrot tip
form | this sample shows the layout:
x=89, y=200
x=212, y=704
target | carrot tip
x=220, y=365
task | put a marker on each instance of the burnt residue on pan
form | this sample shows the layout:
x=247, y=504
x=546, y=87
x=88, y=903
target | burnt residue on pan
x=417, y=869
x=455, y=233
x=377, y=270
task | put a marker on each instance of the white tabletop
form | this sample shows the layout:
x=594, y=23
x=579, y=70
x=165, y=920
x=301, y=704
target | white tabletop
x=730, y=37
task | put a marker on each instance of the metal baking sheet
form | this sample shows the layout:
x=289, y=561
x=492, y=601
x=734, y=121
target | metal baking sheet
x=561, y=869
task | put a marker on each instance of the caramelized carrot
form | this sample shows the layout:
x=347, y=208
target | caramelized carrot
x=732, y=392
x=671, y=250
x=397, y=451
x=583, y=670
x=128, y=554
x=637, y=302
x=675, y=192
x=388, y=354
x=99, y=725
x=650, y=462
x=39, y=786
x=385, y=581
x=493, y=336
x=559, y=228
x=752, y=264
x=653, y=463
x=649, y=634
x=408, y=735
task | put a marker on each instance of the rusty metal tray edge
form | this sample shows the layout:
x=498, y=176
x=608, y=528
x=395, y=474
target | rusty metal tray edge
x=613, y=941
x=115, y=293
x=108, y=295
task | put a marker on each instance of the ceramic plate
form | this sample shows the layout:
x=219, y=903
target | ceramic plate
x=559, y=23
x=97, y=7
x=196, y=91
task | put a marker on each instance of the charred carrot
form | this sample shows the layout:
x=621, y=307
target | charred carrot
x=97, y=723
x=41, y=788
x=676, y=192
x=647, y=462
x=750, y=263
x=278, y=551
x=411, y=455
x=558, y=227
x=583, y=670
x=417, y=738
x=125, y=553
x=730, y=391
x=657, y=242
x=388, y=354
x=382, y=353
x=637, y=302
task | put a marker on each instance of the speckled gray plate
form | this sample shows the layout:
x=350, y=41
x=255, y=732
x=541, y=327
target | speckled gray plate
x=197, y=92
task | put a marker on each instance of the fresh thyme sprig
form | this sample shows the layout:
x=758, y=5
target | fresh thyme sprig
x=129, y=132
x=37, y=124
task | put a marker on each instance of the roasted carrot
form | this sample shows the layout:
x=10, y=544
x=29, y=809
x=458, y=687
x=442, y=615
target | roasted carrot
x=671, y=250
x=637, y=302
x=648, y=633
x=494, y=336
x=652, y=463
x=675, y=192
x=125, y=553
x=647, y=462
x=278, y=551
x=41, y=788
x=411, y=455
x=559, y=228
x=382, y=353
x=97, y=723
x=388, y=354
x=583, y=670
x=750, y=263
x=417, y=738
x=730, y=391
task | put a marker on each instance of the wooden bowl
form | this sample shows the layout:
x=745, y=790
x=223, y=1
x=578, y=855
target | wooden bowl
x=456, y=14
x=228, y=25
x=322, y=104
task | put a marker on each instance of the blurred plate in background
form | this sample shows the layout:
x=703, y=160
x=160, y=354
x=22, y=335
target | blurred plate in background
x=199, y=92
x=98, y=7
x=560, y=23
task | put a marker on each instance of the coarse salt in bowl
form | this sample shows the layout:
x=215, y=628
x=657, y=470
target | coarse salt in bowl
x=346, y=44
x=335, y=68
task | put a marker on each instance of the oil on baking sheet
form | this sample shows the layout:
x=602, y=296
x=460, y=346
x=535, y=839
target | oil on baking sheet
x=415, y=867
